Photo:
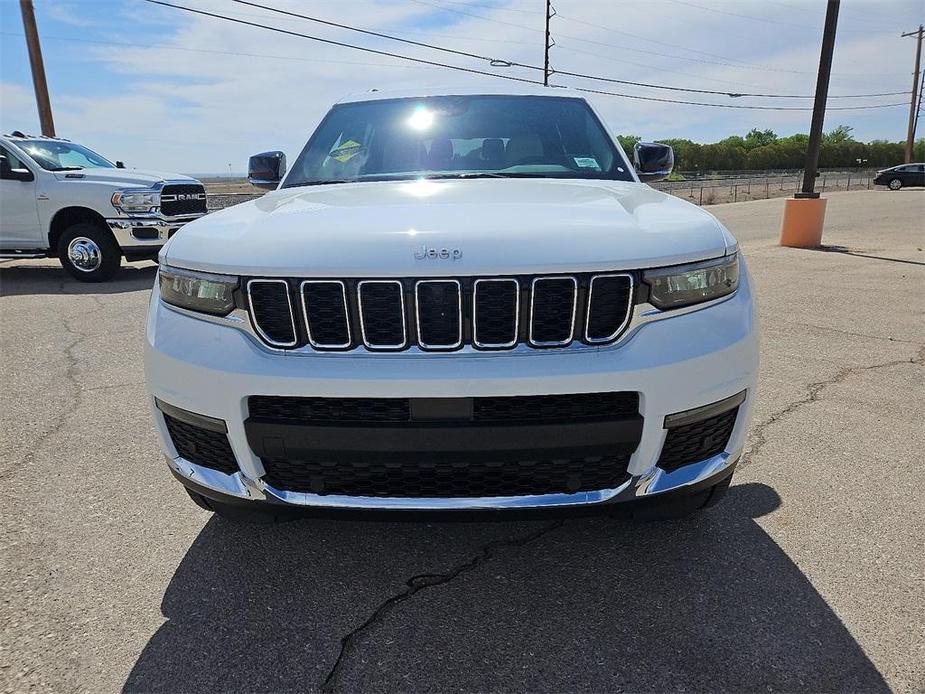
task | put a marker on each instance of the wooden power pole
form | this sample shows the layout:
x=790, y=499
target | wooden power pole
x=910, y=134
x=822, y=93
x=38, y=68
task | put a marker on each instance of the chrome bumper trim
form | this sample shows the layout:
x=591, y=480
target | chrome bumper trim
x=656, y=481
x=123, y=228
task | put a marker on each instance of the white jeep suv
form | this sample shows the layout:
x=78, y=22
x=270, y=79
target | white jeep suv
x=454, y=301
x=60, y=199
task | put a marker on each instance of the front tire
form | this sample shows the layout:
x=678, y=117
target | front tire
x=89, y=253
x=895, y=184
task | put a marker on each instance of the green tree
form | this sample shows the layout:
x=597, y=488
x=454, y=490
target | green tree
x=840, y=134
x=759, y=138
x=627, y=142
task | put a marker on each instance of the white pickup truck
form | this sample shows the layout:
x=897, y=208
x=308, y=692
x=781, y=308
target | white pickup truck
x=60, y=199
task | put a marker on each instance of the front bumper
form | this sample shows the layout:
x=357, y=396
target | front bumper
x=146, y=233
x=675, y=364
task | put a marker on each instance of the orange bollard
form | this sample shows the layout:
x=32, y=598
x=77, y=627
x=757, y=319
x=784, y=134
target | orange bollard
x=802, y=223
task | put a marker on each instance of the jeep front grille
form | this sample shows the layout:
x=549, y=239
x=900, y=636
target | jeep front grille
x=442, y=314
x=183, y=199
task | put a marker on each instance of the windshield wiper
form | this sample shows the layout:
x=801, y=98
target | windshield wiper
x=487, y=174
x=67, y=168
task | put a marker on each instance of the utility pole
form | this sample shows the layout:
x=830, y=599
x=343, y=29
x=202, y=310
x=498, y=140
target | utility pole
x=38, y=67
x=550, y=13
x=822, y=93
x=910, y=134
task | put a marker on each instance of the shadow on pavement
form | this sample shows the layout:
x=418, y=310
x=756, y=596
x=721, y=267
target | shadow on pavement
x=847, y=251
x=22, y=280
x=707, y=603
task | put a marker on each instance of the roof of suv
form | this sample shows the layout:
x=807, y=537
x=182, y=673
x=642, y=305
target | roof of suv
x=423, y=93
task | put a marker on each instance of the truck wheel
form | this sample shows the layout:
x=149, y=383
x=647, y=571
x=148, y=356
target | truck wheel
x=895, y=184
x=240, y=514
x=655, y=510
x=89, y=253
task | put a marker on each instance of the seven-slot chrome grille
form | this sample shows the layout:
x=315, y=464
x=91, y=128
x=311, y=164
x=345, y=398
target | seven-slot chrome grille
x=441, y=314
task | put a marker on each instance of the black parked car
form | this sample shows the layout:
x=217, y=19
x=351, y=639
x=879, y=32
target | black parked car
x=901, y=176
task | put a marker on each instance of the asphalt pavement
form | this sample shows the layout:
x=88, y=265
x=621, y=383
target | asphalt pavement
x=809, y=576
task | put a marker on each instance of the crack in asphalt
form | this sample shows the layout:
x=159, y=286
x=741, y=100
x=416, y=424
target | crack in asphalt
x=813, y=393
x=77, y=399
x=417, y=583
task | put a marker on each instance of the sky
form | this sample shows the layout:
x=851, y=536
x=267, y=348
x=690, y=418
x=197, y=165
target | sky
x=160, y=88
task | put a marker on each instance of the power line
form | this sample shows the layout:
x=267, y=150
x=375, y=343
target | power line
x=165, y=47
x=731, y=62
x=760, y=19
x=492, y=74
x=496, y=62
x=499, y=62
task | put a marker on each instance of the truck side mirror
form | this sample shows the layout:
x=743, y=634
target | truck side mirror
x=8, y=173
x=120, y=164
x=266, y=170
x=653, y=161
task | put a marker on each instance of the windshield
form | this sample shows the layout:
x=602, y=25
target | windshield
x=459, y=137
x=56, y=155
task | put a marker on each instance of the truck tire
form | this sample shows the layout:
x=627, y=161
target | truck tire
x=89, y=253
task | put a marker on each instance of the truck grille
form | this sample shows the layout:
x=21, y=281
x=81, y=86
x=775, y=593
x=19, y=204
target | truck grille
x=183, y=199
x=442, y=314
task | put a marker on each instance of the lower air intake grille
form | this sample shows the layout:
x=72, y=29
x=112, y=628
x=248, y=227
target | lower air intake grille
x=698, y=441
x=328, y=410
x=468, y=479
x=201, y=446
x=488, y=410
x=556, y=408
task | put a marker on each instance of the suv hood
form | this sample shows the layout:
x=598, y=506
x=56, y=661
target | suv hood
x=498, y=226
x=122, y=177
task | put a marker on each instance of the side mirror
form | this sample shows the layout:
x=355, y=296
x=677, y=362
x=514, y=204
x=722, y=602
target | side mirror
x=120, y=164
x=8, y=173
x=653, y=161
x=266, y=170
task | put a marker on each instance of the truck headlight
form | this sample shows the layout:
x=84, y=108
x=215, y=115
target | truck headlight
x=197, y=291
x=683, y=285
x=136, y=200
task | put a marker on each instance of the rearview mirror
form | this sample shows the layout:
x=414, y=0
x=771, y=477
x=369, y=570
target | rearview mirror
x=653, y=161
x=266, y=170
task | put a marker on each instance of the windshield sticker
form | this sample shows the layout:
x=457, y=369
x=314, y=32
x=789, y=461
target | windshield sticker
x=587, y=163
x=346, y=151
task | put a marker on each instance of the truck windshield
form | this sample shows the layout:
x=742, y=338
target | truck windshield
x=56, y=155
x=458, y=137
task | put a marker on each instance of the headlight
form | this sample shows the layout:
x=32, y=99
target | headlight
x=197, y=291
x=136, y=200
x=682, y=285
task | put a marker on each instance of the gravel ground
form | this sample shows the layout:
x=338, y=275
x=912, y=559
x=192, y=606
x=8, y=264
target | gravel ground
x=808, y=577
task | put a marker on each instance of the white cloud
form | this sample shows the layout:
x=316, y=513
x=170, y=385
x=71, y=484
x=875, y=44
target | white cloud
x=208, y=94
